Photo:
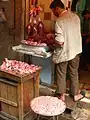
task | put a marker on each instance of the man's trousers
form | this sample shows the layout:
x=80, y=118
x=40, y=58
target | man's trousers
x=61, y=71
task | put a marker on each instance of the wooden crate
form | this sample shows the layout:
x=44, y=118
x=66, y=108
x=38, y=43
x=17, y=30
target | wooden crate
x=16, y=92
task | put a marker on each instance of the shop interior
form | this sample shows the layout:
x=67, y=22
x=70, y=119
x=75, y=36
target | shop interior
x=15, y=20
x=14, y=29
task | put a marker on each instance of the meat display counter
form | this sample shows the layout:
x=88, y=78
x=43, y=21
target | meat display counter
x=31, y=50
x=38, y=56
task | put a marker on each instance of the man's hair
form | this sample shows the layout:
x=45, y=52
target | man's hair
x=57, y=3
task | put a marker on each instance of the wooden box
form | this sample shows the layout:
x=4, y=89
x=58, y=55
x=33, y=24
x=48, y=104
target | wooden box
x=16, y=92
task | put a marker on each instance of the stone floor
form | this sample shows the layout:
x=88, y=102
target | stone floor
x=77, y=110
x=74, y=108
x=78, y=107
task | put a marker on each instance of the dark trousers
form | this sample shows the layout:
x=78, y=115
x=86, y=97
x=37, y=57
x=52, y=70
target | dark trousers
x=61, y=71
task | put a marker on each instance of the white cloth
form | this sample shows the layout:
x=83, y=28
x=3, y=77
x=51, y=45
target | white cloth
x=67, y=30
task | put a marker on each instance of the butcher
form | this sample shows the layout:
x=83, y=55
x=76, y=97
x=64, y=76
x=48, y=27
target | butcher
x=68, y=47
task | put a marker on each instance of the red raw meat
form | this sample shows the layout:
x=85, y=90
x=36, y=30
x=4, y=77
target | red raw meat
x=34, y=28
x=40, y=27
x=30, y=28
x=31, y=43
x=18, y=66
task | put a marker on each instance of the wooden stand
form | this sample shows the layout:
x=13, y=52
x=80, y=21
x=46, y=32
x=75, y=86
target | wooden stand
x=16, y=92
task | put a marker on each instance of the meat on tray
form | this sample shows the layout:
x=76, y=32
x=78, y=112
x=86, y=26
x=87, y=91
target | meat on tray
x=31, y=43
x=18, y=66
x=37, y=40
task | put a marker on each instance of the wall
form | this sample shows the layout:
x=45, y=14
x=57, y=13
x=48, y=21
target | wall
x=6, y=39
x=46, y=15
x=10, y=31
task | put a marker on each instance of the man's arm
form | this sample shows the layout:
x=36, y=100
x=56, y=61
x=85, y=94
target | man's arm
x=59, y=38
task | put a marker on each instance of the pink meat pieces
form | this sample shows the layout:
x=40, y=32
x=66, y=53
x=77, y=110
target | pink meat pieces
x=48, y=106
x=45, y=40
x=18, y=66
x=31, y=43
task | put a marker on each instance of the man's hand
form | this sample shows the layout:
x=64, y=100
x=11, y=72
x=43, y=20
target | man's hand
x=50, y=36
x=58, y=44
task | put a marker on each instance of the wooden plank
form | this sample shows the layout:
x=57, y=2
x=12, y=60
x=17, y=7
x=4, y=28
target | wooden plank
x=18, y=21
x=30, y=76
x=3, y=90
x=28, y=93
x=13, y=97
x=17, y=77
x=4, y=107
x=20, y=101
x=8, y=98
x=27, y=11
x=7, y=116
x=11, y=76
x=6, y=81
x=13, y=111
x=3, y=100
x=37, y=81
x=4, y=117
x=22, y=20
x=12, y=93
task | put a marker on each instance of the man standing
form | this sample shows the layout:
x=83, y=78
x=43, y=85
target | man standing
x=68, y=46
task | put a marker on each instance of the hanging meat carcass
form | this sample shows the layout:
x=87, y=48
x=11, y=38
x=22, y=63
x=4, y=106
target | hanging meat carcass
x=30, y=28
x=35, y=28
x=36, y=32
x=40, y=27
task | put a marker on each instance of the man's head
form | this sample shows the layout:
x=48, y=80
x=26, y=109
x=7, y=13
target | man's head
x=57, y=7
